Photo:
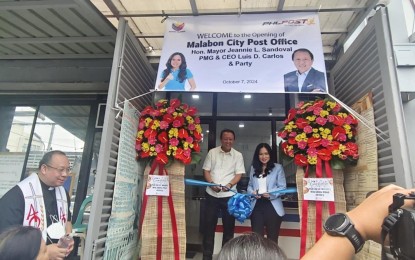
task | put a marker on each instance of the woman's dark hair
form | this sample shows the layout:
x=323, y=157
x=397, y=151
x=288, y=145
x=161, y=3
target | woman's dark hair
x=20, y=243
x=257, y=164
x=47, y=157
x=251, y=246
x=182, y=68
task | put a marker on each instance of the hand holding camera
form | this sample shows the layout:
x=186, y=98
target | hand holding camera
x=368, y=219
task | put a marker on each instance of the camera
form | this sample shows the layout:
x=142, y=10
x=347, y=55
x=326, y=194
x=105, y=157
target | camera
x=400, y=226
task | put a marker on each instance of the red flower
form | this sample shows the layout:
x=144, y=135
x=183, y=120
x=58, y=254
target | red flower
x=333, y=146
x=282, y=134
x=162, y=158
x=161, y=103
x=178, y=121
x=196, y=147
x=291, y=114
x=319, y=103
x=314, y=142
x=338, y=132
x=144, y=154
x=286, y=150
x=163, y=138
x=300, y=160
x=292, y=140
x=168, y=118
x=183, y=133
x=191, y=111
x=324, y=154
x=150, y=133
x=319, y=129
x=146, y=111
x=175, y=103
x=197, y=136
x=351, y=120
x=351, y=149
x=301, y=123
x=168, y=133
x=338, y=120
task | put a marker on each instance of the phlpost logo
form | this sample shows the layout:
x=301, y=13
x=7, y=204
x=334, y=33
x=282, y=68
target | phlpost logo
x=292, y=22
x=177, y=26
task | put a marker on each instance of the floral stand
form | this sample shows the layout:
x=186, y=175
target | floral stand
x=163, y=222
x=318, y=135
x=314, y=213
x=169, y=135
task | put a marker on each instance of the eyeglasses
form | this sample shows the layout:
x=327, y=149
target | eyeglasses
x=61, y=170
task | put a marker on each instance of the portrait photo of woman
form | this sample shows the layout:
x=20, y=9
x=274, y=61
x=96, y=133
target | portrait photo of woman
x=176, y=73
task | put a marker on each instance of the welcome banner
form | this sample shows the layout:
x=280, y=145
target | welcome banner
x=247, y=53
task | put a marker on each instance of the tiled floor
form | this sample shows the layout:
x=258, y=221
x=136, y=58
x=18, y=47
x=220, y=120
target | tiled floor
x=194, y=237
x=199, y=256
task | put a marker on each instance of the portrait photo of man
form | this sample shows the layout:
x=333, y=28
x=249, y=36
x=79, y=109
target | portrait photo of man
x=305, y=78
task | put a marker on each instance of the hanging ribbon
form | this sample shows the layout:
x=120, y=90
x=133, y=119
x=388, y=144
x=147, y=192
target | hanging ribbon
x=174, y=226
x=159, y=219
x=304, y=219
x=161, y=171
x=145, y=199
x=319, y=203
x=329, y=173
x=319, y=207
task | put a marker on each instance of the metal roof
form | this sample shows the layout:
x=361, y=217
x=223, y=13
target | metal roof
x=338, y=18
x=54, y=29
x=70, y=29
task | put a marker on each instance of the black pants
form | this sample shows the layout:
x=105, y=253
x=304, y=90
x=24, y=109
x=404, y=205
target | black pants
x=213, y=205
x=265, y=216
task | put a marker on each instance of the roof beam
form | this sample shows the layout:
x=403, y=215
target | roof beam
x=154, y=35
x=56, y=56
x=195, y=11
x=281, y=4
x=52, y=88
x=112, y=7
x=57, y=40
x=24, y=5
x=234, y=12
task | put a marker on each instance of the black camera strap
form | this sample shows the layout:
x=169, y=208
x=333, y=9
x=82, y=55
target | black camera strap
x=388, y=224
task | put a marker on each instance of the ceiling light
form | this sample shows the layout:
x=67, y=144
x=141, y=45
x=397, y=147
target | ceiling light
x=207, y=131
x=270, y=111
x=247, y=96
x=150, y=49
x=241, y=125
x=195, y=96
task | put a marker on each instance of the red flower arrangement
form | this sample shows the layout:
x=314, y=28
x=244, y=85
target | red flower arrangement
x=169, y=131
x=320, y=129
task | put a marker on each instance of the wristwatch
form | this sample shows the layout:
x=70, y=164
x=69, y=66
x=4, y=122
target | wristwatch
x=340, y=224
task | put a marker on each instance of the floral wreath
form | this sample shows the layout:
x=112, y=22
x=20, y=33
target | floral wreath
x=169, y=131
x=320, y=129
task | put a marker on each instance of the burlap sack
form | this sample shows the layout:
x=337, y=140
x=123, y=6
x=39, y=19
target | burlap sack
x=149, y=229
x=339, y=201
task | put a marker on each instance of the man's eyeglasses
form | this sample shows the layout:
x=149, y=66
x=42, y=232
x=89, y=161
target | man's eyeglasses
x=61, y=170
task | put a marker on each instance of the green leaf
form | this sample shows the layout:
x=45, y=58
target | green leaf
x=196, y=157
x=337, y=164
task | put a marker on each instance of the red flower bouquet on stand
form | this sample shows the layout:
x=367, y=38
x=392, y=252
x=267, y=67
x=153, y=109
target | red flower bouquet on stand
x=320, y=137
x=169, y=131
x=168, y=135
x=320, y=129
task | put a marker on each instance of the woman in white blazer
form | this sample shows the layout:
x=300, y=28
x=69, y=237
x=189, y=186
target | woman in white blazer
x=265, y=177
